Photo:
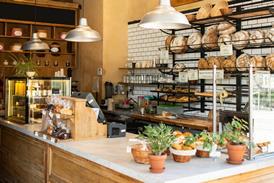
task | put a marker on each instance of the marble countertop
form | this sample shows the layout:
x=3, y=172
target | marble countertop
x=112, y=153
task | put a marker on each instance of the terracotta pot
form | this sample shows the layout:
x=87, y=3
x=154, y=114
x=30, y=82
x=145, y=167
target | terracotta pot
x=157, y=163
x=235, y=153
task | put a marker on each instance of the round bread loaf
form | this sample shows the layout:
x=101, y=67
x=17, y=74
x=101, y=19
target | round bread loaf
x=240, y=39
x=256, y=37
x=178, y=44
x=212, y=60
x=203, y=64
x=228, y=31
x=212, y=29
x=210, y=41
x=204, y=11
x=230, y=64
x=242, y=62
x=270, y=61
x=224, y=39
x=224, y=26
x=269, y=35
x=258, y=62
x=194, y=41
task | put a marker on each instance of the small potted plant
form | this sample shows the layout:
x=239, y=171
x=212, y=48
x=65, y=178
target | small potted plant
x=159, y=139
x=184, y=147
x=235, y=133
x=25, y=66
x=206, y=143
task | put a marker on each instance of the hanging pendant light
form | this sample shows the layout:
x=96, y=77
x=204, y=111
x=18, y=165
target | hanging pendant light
x=35, y=44
x=83, y=33
x=164, y=17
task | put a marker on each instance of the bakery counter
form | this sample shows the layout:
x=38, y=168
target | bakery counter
x=106, y=160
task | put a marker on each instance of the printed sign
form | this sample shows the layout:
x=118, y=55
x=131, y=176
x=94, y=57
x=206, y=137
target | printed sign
x=226, y=50
x=208, y=74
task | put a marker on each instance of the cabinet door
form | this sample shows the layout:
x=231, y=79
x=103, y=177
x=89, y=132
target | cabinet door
x=66, y=168
x=23, y=157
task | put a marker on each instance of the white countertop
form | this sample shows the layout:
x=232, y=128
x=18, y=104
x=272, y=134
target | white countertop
x=112, y=153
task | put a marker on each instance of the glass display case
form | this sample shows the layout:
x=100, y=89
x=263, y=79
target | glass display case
x=261, y=113
x=25, y=97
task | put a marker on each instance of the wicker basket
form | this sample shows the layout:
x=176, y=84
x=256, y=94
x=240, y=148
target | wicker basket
x=182, y=156
x=139, y=155
x=202, y=154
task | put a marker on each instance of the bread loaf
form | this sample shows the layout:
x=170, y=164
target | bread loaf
x=212, y=29
x=168, y=41
x=179, y=44
x=190, y=17
x=204, y=11
x=220, y=8
x=269, y=35
x=240, y=39
x=203, y=64
x=210, y=41
x=228, y=31
x=194, y=41
x=224, y=26
x=212, y=60
x=270, y=61
x=258, y=62
x=224, y=40
x=242, y=62
x=230, y=64
x=256, y=37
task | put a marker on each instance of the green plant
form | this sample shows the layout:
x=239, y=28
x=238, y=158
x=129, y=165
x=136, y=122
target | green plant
x=236, y=131
x=24, y=64
x=158, y=137
x=209, y=139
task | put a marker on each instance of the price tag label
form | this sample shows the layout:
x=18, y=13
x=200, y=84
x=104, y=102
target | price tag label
x=128, y=149
x=44, y=137
x=226, y=50
x=183, y=77
x=208, y=74
x=193, y=75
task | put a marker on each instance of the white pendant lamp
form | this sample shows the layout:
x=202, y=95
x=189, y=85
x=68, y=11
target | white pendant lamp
x=35, y=44
x=83, y=33
x=164, y=17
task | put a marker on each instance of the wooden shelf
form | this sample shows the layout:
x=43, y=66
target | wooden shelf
x=36, y=23
x=31, y=52
x=143, y=68
x=27, y=37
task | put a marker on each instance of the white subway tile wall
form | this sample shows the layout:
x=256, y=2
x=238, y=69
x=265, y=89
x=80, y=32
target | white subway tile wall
x=143, y=45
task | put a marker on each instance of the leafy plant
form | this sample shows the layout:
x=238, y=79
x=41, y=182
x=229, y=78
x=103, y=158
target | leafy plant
x=235, y=131
x=24, y=64
x=209, y=139
x=189, y=140
x=158, y=137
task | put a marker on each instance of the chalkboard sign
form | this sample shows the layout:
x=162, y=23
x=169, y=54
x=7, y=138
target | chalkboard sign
x=55, y=91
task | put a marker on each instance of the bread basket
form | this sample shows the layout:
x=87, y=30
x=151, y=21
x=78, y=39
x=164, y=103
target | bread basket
x=182, y=156
x=140, y=155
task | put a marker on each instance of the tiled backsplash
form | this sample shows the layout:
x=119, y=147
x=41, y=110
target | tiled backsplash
x=143, y=45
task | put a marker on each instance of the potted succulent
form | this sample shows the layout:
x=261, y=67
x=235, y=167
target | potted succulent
x=25, y=66
x=159, y=139
x=206, y=143
x=235, y=133
x=184, y=147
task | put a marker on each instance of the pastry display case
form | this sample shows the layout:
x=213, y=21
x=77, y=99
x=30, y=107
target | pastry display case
x=25, y=97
